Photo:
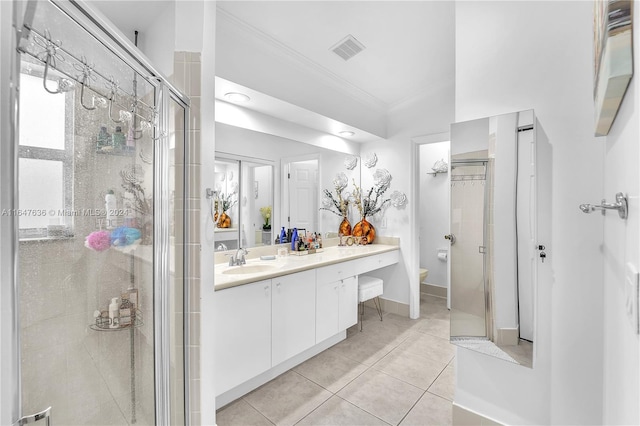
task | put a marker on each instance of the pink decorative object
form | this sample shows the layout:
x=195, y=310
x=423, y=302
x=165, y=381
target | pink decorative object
x=98, y=240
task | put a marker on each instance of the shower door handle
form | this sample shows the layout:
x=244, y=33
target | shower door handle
x=45, y=414
x=451, y=238
x=482, y=249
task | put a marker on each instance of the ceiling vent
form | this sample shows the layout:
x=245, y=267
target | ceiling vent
x=348, y=47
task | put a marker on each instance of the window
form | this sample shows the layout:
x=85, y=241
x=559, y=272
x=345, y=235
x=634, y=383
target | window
x=45, y=157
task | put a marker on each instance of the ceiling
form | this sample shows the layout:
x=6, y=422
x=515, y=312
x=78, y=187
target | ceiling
x=404, y=50
x=408, y=49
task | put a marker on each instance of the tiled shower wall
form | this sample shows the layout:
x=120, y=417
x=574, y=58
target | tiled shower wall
x=187, y=78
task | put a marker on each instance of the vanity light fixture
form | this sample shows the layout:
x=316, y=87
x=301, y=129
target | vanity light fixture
x=347, y=133
x=236, y=97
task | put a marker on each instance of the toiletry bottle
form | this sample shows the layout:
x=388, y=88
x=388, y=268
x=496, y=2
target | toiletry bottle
x=131, y=140
x=104, y=138
x=114, y=320
x=125, y=310
x=283, y=236
x=319, y=240
x=110, y=206
x=294, y=238
x=118, y=141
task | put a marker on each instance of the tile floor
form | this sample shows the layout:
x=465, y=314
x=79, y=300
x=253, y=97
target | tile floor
x=395, y=372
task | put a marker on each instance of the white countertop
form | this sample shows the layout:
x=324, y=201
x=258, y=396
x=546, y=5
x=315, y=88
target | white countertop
x=292, y=263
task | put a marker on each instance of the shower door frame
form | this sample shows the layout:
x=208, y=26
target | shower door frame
x=96, y=25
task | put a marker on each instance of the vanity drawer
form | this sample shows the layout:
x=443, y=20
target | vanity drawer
x=337, y=272
x=377, y=261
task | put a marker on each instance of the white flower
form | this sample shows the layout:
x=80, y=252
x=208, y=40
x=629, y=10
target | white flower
x=382, y=178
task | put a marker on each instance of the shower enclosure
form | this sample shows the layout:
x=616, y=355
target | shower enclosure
x=99, y=190
x=470, y=299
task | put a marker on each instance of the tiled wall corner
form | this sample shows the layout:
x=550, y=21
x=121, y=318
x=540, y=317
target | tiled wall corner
x=187, y=78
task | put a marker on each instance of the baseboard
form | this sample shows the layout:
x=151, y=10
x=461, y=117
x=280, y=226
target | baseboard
x=464, y=417
x=391, y=306
x=433, y=290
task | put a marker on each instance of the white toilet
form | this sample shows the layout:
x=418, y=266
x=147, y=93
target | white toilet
x=423, y=274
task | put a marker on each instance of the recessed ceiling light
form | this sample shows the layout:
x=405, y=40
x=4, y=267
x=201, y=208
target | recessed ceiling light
x=236, y=97
x=347, y=133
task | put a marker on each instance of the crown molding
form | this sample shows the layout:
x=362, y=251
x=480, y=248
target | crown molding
x=302, y=62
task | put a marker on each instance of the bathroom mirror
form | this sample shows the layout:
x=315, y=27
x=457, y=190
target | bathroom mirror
x=242, y=202
x=318, y=166
x=495, y=169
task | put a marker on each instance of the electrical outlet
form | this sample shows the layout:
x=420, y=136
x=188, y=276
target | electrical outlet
x=632, y=294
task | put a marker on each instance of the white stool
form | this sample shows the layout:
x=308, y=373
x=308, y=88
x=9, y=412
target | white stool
x=369, y=288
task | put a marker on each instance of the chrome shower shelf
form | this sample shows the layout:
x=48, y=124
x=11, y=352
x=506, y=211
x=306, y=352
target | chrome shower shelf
x=104, y=325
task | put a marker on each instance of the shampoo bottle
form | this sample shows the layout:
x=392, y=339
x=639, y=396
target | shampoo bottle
x=118, y=139
x=104, y=138
x=283, y=236
x=114, y=312
x=294, y=239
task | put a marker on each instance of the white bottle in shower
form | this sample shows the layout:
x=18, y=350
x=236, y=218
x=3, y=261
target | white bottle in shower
x=110, y=206
x=114, y=313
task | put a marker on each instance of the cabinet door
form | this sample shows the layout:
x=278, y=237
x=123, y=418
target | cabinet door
x=293, y=308
x=327, y=309
x=242, y=334
x=348, y=315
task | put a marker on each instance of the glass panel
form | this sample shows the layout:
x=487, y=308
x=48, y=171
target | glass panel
x=468, y=313
x=225, y=209
x=42, y=117
x=86, y=297
x=41, y=193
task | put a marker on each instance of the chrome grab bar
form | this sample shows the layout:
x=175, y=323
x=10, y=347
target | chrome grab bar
x=621, y=205
x=45, y=414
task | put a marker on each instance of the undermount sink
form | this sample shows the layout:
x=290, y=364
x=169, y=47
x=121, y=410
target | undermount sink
x=249, y=269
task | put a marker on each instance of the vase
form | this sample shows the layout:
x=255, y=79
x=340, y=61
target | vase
x=224, y=221
x=345, y=226
x=365, y=230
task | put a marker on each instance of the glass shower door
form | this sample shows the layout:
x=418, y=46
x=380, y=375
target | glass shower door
x=90, y=157
x=468, y=200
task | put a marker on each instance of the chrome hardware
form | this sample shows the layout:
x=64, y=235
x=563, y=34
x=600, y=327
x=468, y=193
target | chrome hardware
x=621, y=205
x=238, y=258
x=46, y=414
x=482, y=249
x=451, y=238
x=543, y=256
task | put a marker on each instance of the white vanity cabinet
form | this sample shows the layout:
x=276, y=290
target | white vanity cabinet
x=293, y=315
x=336, y=299
x=243, y=334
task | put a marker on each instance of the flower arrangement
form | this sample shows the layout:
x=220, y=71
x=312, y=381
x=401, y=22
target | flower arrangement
x=227, y=201
x=266, y=215
x=337, y=205
x=370, y=204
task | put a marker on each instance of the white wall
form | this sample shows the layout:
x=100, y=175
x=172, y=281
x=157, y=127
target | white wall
x=433, y=221
x=512, y=56
x=621, y=345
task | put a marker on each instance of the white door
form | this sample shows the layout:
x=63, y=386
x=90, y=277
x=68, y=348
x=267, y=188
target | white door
x=303, y=195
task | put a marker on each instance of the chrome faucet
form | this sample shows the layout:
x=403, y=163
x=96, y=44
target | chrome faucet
x=238, y=258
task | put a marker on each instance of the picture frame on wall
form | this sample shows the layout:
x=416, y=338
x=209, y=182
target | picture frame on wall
x=613, y=59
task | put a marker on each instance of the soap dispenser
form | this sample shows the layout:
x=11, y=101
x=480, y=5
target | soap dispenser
x=283, y=236
x=114, y=313
x=294, y=239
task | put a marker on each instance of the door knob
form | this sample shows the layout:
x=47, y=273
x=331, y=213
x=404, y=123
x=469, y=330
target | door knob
x=451, y=238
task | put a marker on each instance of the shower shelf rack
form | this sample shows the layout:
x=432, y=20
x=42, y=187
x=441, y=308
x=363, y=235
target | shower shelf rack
x=137, y=323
